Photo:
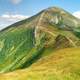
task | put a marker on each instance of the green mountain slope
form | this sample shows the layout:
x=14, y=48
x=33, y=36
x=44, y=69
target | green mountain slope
x=62, y=65
x=23, y=43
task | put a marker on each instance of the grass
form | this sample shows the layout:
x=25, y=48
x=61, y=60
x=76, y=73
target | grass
x=62, y=65
x=39, y=37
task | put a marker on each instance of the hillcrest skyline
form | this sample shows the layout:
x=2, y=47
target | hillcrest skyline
x=12, y=11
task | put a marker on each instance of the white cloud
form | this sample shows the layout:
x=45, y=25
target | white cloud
x=15, y=1
x=77, y=14
x=14, y=17
x=6, y=19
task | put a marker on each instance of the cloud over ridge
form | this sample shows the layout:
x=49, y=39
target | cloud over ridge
x=77, y=14
x=7, y=19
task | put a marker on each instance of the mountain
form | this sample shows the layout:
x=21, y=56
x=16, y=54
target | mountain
x=24, y=42
x=64, y=64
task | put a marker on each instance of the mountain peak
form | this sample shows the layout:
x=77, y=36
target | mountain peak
x=54, y=9
x=22, y=43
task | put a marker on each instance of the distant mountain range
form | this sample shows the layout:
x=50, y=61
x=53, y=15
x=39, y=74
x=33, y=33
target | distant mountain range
x=22, y=44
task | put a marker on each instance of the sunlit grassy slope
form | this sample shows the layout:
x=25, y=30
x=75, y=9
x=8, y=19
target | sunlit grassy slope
x=24, y=42
x=62, y=65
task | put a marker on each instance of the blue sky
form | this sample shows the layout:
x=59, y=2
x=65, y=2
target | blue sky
x=30, y=7
x=20, y=9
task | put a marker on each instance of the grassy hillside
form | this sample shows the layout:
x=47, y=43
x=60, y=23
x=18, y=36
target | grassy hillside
x=24, y=42
x=62, y=65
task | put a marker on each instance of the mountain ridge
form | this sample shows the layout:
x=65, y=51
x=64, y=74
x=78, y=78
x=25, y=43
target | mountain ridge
x=24, y=42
